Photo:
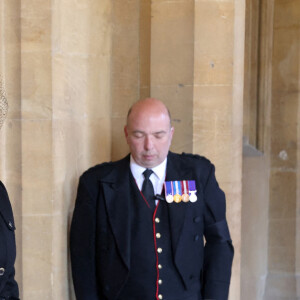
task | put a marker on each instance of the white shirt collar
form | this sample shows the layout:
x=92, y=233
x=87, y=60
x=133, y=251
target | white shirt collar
x=159, y=171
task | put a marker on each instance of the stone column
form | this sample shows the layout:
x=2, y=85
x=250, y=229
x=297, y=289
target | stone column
x=36, y=148
x=81, y=115
x=284, y=137
x=125, y=60
x=172, y=65
x=57, y=74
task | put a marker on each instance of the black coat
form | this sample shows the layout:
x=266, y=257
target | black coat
x=8, y=285
x=100, y=230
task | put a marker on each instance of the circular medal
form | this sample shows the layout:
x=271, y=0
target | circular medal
x=185, y=198
x=169, y=198
x=193, y=197
x=177, y=198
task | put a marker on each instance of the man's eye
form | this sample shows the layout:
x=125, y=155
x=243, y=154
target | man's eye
x=159, y=135
x=138, y=135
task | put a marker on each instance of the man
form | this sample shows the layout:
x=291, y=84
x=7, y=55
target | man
x=138, y=224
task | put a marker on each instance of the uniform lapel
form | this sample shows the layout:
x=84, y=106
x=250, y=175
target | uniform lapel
x=116, y=189
x=176, y=171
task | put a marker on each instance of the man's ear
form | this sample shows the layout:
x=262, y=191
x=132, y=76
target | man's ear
x=172, y=132
x=126, y=131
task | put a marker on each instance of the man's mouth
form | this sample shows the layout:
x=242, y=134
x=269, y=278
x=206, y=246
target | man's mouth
x=148, y=156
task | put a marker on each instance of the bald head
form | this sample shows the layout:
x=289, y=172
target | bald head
x=149, y=132
x=148, y=105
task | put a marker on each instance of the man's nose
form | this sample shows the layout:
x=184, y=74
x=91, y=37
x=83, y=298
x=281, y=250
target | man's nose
x=148, y=143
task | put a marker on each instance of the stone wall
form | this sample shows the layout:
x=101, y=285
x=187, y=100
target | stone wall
x=270, y=214
x=72, y=69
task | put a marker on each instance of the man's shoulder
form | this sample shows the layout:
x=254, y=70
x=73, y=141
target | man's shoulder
x=5, y=206
x=102, y=170
x=191, y=159
x=99, y=169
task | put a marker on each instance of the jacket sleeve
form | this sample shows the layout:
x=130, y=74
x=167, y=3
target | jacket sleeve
x=10, y=290
x=82, y=245
x=8, y=285
x=218, y=251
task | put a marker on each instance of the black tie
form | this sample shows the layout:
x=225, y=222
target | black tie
x=147, y=188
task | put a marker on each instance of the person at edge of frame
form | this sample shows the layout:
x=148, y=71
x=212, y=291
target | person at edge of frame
x=8, y=286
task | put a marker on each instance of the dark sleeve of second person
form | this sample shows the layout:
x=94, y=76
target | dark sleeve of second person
x=218, y=252
x=8, y=285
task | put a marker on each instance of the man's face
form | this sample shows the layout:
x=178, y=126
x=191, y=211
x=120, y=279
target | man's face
x=149, y=135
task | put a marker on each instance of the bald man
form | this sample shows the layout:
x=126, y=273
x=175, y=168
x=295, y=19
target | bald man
x=152, y=225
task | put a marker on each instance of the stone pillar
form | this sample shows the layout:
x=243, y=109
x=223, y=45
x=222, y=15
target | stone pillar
x=256, y=158
x=172, y=65
x=36, y=148
x=57, y=75
x=81, y=115
x=125, y=65
x=283, y=216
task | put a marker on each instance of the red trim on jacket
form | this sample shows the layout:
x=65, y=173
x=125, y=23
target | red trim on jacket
x=155, y=248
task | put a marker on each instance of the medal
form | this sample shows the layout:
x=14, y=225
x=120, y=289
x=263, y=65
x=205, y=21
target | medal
x=169, y=191
x=177, y=191
x=192, y=190
x=185, y=192
x=169, y=199
x=193, y=197
x=177, y=196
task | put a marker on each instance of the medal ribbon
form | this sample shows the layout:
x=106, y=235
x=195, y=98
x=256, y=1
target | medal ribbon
x=177, y=187
x=168, y=188
x=192, y=185
x=184, y=187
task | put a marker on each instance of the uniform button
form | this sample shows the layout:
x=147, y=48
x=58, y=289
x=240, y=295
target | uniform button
x=160, y=266
x=157, y=220
x=2, y=271
x=160, y=296
x=10, y=224
x=159, y=250
x=197, y=219
x=196, y=238
x=159, y=281
x=158, y=235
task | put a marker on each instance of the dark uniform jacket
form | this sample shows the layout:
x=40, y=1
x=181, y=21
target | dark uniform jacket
x=8, y=285
x=100, y=230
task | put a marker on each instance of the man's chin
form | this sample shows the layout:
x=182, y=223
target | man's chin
x=149, y=162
